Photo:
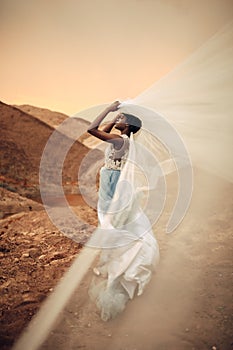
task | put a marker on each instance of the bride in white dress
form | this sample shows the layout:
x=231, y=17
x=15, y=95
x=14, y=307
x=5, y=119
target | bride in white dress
x=129, y=250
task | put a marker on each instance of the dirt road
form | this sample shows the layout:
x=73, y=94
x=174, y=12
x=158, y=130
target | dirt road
x=188, y=304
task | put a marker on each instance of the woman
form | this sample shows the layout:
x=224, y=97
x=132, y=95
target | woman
x=130, y=250
x=116, y=153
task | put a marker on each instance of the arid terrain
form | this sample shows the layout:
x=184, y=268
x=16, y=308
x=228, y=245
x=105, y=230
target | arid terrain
x=34, y=254
x=188, y=304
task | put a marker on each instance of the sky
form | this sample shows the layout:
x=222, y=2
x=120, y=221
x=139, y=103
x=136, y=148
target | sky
x=69, y=55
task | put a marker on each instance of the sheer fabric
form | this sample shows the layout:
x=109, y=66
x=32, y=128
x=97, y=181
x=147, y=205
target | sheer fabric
x=187, y=116
x=196, y=98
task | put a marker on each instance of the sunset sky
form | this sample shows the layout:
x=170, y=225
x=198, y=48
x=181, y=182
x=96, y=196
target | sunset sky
x=68, y=55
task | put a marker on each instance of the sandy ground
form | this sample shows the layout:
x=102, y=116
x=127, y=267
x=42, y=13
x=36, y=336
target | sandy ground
x=34, y=256
x=187, y=305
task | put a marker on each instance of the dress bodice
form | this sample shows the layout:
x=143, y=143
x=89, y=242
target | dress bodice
x=115, y=159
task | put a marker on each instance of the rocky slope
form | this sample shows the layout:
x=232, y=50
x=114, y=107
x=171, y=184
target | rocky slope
x=45, y=115
x=23, y=139
x=34, y=254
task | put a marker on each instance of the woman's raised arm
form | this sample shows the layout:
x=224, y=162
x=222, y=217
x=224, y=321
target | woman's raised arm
x=104, y=134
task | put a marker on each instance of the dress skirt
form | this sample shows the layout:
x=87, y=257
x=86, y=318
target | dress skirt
x=125, y=269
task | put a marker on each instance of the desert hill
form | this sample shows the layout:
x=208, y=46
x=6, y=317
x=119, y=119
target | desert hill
x=23, y=138
x=51, y=118
x=54, y=119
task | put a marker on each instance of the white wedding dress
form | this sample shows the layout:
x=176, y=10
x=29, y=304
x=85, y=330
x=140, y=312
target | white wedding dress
x=129, y=250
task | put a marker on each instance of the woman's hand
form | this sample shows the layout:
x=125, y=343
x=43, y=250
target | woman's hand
x=114, y=106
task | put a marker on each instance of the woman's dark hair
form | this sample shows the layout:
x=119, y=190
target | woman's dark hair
x=135, y=123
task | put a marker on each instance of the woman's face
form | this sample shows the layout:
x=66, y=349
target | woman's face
x=121, y=122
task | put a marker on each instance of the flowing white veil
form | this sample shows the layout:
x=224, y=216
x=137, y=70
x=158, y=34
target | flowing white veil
x=197, y=99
